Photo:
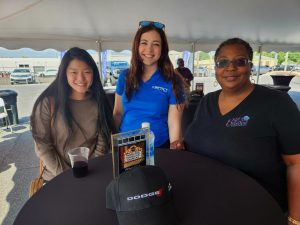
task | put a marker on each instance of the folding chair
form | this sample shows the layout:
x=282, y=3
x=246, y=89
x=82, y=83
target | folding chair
x=4, y=115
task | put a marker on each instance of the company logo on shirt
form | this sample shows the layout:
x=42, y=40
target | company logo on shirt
x=165, y=90
x=238, y=121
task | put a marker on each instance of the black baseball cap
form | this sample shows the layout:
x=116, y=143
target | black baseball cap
x=142, y=196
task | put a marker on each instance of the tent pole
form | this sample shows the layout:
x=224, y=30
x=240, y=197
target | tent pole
x=259, y=61
x=286, y=57
x=193, y=64
x=276, y=56
x=100, y=60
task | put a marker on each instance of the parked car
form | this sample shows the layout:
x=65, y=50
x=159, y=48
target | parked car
x=4, y=74
x=21, y=75
x=210, y=71
x=116, y=67
x=262, y=69
x=281, y=67
x=297, y=68
x=48, y=72
x=116, y=73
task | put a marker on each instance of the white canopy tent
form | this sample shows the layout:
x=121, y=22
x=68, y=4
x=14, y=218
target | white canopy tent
x=190, y=24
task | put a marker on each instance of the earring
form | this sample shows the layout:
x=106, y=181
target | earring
x=216, y=83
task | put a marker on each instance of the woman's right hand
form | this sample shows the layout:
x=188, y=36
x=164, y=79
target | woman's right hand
x=177, y=145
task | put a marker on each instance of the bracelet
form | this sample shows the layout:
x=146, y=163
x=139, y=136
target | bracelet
x=293, y=221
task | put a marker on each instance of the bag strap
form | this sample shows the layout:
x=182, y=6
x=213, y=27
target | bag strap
x=42, y=169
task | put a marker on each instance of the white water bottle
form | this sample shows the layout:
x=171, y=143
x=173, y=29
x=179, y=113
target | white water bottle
x=150, y=152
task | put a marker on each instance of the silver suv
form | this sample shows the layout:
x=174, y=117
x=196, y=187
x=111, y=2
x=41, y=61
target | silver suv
x=262, y=69
x=21, y=75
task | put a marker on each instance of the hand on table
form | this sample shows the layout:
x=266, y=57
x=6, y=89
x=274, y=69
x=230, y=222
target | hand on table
x=177, y=145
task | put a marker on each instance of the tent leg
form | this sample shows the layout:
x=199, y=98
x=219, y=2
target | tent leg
x=259, y=61
x=100, y=61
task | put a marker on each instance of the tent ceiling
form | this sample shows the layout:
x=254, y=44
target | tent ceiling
x=61, y=24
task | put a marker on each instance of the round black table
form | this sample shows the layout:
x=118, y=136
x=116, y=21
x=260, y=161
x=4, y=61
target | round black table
x=206, y=192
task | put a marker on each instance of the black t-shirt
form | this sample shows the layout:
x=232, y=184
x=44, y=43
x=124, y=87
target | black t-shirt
x=252, y=137
x=186, y=74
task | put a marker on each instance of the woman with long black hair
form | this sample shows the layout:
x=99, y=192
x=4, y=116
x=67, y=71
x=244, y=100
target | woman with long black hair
x=72, y=112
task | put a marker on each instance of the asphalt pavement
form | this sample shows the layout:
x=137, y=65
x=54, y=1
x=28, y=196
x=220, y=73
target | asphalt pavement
x=18, y=162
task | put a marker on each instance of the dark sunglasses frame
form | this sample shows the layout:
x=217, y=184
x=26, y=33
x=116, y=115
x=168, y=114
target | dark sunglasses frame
x=157, y=25
x=241, y=62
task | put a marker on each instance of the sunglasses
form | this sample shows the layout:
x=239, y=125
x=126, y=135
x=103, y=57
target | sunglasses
x=223, y=63
x=157, y=25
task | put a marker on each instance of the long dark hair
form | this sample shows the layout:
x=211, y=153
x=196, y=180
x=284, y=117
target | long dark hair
x=165, y=66
x=60, y=91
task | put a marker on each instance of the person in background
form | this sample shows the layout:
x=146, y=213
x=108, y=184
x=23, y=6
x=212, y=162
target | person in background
x=72, y=112
x=150, y=90
x=250, y=127
x=184, y=72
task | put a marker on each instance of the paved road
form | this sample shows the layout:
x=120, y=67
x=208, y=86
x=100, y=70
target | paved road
x=18, y=162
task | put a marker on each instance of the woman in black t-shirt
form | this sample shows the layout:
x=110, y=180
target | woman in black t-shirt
x=250, y=127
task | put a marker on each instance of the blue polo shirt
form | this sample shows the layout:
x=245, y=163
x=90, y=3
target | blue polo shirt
x=150, y=103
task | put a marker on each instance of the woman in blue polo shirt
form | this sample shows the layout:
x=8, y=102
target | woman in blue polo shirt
x=150, y=90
